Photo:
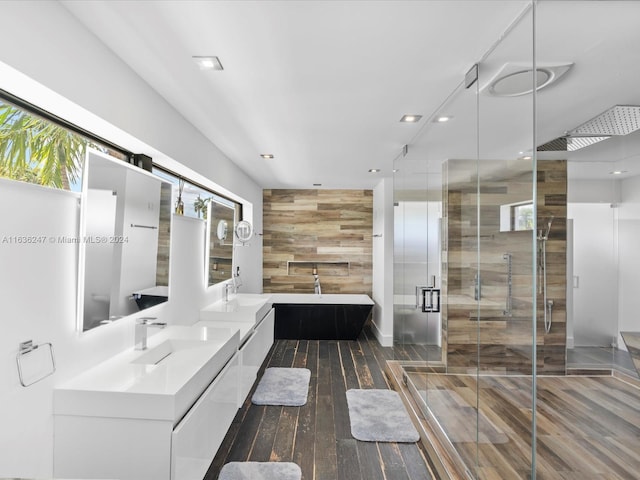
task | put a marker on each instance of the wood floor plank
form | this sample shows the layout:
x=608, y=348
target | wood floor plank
x=392, y=462
x=283, y=443
x=365, y=379
x=326, y=462
x=300, y=360
x=377, y=374
x=348, y=368
x=304, y=449
x=241, y=448
x=349, y=467
x=339, y=396
x=370, y=462
x=265, y=435
x=414, y=461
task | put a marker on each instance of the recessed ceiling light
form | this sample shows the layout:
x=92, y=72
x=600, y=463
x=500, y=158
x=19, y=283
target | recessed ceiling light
x=410, y=118
x=443, y=119
x=267, y=156
x=208, y=63
x=396, y=170
x=526, y=157
x=617, y=172
x=374, y=170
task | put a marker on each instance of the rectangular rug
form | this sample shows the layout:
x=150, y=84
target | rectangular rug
x=283, y=386
x=379, y=416
x=260, y=471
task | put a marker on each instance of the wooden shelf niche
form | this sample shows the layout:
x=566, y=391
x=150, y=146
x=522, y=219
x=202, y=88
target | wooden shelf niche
x=323, y=268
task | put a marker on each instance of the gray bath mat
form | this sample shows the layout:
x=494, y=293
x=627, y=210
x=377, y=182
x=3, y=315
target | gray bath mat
x=283, y=386
x=379, y=416
x=260, y=471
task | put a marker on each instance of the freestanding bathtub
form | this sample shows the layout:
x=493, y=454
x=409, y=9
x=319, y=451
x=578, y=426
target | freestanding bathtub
x=306, y=316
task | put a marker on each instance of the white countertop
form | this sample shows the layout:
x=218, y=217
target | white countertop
x=244, y=328
x=325, y=299
x=120, y=387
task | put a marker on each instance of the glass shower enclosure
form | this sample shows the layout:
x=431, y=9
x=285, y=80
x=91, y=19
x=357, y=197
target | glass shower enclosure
x=516, y=259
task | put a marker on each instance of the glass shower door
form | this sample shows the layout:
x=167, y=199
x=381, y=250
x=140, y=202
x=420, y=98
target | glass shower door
x=417, y=240
x=479, y=167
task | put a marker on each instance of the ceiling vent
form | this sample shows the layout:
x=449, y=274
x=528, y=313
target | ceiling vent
x=514, y=80
x=616, y=121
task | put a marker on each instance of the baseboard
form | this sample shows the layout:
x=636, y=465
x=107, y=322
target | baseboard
x=384, y=340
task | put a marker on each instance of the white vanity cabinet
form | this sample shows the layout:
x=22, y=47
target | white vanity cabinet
x=149, y=449
x=127, y=419
x=199, y=434
x=253, y=353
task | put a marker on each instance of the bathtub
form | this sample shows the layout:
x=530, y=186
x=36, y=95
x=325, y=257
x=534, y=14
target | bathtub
x=306, y=316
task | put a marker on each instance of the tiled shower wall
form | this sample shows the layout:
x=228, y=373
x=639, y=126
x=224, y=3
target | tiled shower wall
x=495, y=337
x=328, y=229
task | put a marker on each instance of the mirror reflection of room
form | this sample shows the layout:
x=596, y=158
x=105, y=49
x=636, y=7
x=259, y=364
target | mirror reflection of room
x=221, y=225
x=126, y=214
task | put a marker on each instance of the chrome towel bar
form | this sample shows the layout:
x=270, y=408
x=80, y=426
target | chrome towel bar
x=25, y=348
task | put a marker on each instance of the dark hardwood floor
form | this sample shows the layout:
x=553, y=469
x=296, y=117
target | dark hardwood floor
x=317, y=435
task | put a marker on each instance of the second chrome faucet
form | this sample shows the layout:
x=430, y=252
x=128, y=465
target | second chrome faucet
x=142, y=325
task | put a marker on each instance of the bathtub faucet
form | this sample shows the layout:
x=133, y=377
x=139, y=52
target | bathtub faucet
x=316, y=284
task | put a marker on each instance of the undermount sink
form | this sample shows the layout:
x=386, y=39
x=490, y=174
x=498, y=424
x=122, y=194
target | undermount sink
x=165, y=350
x=242, y=306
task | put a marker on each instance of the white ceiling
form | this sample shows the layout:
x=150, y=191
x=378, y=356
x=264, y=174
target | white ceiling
x=322, y=84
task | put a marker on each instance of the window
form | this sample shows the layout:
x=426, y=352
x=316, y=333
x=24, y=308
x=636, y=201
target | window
x=42, y=150
x=191, y=199
x=38, y=147
x=515, y=217
x=522, y=217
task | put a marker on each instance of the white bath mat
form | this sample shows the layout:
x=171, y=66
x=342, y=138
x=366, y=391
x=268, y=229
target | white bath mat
x=379, y=416
x=260, y=471
x=283, y=386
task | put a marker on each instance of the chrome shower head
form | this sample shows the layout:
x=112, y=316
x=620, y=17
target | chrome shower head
x=544, y=234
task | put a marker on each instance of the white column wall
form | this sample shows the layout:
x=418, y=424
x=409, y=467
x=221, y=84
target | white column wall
x=383, y=261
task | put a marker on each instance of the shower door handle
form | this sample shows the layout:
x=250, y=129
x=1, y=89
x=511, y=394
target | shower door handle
x=433, y=303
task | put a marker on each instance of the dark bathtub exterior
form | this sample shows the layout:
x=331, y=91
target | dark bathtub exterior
x=299, y=318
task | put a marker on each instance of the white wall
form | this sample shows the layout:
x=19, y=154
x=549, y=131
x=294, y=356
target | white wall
x=60, y=66
x=629, y=270
x=595, y=275
x=613, y=302
x=383, y=262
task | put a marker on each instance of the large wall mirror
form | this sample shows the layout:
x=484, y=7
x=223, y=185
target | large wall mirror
x=124, y=241
x=220, y=229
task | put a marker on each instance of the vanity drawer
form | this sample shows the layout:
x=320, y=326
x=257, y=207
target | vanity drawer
x=253, y=352
x=196, y=439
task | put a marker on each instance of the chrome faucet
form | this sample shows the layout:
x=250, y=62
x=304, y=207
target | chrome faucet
x=316, y=284
x=227, y=287
x=142, y=324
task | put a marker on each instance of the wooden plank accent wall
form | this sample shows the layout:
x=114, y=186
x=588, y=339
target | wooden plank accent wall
x=317, y=226
x=490, y=336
